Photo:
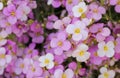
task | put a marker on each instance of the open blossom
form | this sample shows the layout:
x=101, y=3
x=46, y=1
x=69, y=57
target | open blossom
x=79, y=9
x=5, y=24
x=21, y=66
x=61, y=24
x=105, y=73
x=31, y=51
x=96, y=11
x=59, y=43
x=80, y=53
x=47, y=61
x=68, y=73
x=106, y=49
x=34, y=70
x=78, y=31
x=102, y=32
x=4, y=58
x=12, y=13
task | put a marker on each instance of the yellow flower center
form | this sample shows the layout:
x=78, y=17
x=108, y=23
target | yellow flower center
x=37, y=26
x=95, y=54
x=69, y=1
x=118, y=2
x=1, y=38
x=46, y=77
x=80, y=10
x=95, y=11
x=105, y=48
x=81, y=53
x=21, y=65
x=2, y=56
x=47, y=61
x=77, y=30
x=106, y=75
x=29, y=51
x=33, y=69
x=64, y=75
x=12, y=13
x=20, y=27
x=7, y=24
x=59, y=43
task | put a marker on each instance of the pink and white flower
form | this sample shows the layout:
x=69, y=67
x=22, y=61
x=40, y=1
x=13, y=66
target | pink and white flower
x=80, y=53
x=47, y=61
x=106, y=49
x=78, y=31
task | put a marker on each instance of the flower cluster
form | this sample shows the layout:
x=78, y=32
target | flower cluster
x=76, y=39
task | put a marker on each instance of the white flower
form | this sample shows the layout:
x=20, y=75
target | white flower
x=47, y=61
x=81, y=53
x=78, y=31
x=106, y=49
x=1, y=5
x=106, y=73
x=79, y=9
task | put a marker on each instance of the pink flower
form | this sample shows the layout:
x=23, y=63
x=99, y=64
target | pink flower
x=34, y=70
x=30, y=51
x=12, y=13
x=60, y=74
x=5, y=24
x=59, y=43
x=21, y=66
x=96, y=11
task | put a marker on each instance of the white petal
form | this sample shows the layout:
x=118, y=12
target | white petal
x=77, y=37
x=110, y=44
x=50, y=66
x=42, y=58
x=2, y=62
x=8, y=58
x=69, y=73
x=1, y=5
x=70, y=28
x=50, y=56
x=83, y=47
x=100, y=76
x=2, y=50
x=101, y=44
x=58, y=73
x=3, y=42
x=1, y=70
x=111, y=73
x=110, y=53
x=103, y=69
x=84, y=35
x=101, y=53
